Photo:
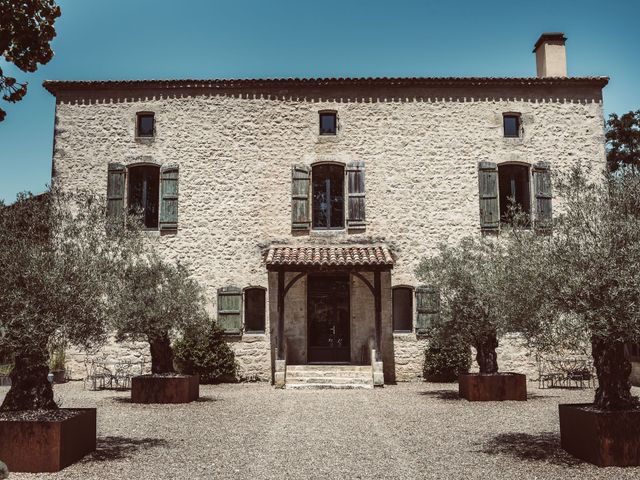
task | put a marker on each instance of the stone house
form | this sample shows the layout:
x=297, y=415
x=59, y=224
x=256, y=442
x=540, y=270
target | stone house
x=305, y=205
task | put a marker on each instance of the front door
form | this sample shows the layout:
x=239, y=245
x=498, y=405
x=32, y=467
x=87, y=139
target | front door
x=328, y=318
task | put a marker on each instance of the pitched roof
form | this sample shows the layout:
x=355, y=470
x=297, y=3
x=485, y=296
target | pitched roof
x=55, y=86
x=333, y=256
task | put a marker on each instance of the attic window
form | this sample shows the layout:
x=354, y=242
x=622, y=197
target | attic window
x=145, y=125
x=328, y=123
x=511, y=122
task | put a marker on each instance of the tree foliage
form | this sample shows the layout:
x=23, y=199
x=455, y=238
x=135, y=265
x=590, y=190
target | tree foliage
x=156, y=300
x=469, y=277
x=57, y=267
x=447, y=356
x=591, y=275
x=26, y=31
x=623, y=140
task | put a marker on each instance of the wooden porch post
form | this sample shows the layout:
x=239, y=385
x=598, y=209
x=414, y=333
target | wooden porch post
x=280, y=315
x=378, y=307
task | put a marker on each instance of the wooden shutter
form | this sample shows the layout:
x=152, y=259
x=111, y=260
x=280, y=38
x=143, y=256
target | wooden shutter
x=542, y=192
x=169, y=198
x=115, y=190
x=300, y=195
x=488, y=189
x=428, y=307
x=355, y=192
x=230, y=309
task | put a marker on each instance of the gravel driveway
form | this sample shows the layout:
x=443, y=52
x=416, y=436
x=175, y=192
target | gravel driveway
x=255, y=431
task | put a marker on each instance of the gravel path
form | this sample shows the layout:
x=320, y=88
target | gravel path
x=255, y=431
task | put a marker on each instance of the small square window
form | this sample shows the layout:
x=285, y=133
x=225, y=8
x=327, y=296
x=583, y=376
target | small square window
x=328, y=123
x=512, y=126
x=145, y=125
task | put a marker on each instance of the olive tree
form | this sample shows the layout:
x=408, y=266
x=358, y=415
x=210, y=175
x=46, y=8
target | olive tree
x=469, y=278
x=57, y=263
x=157, y=299
x=586, y=274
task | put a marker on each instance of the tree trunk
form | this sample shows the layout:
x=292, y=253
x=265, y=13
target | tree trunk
x=486, y=355
x=30, y=389
x=613, y=369
x=161, y=354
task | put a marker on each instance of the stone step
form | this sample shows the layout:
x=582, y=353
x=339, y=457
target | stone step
x=333, y=368
x=328, y=373
x=334, y=380
x=328, y=386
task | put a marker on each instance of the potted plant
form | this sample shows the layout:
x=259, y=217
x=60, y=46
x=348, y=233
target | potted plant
x=592, y=281
x=56, y=262
x=57, y=361
x=158, y=300
x=470, y=278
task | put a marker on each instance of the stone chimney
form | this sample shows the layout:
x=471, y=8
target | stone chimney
x=551, y=57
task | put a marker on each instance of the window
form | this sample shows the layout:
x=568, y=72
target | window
x=147, y=189
x=513, y=184
x=145, y=125
x=328, y=123
x=511, y=123
x=328, y=196
x=402, y=309
x=254, y=314
x=144, y=193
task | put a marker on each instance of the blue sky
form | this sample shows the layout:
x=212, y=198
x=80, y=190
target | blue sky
x=137, y=39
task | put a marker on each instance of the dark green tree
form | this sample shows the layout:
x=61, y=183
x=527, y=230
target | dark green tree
x=623, y=140
x=26, y=31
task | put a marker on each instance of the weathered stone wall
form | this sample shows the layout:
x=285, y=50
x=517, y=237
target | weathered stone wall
x=235, y=149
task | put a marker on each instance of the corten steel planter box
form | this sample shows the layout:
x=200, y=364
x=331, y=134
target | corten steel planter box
x=47, y=445
x=604, y=438
x=165, y=389
x=477, y=387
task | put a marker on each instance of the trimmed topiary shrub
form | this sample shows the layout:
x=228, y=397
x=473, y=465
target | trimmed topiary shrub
x=204, y=351
x=445, y=358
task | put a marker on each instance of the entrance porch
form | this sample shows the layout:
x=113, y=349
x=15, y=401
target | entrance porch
x=331, y=306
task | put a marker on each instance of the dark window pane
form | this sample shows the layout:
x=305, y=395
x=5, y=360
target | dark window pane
x=511, y=126
x=328, y=196
x=144, y=183
x=254, y=317
x=513, y=182
x=402, y=309
x=145, y=125
x=328, y=124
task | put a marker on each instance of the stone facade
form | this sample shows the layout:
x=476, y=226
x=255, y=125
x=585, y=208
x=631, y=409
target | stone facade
x=235, y=144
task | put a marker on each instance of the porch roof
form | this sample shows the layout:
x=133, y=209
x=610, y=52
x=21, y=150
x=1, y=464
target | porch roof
x=376, y=257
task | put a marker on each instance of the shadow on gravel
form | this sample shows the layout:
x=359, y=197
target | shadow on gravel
x=441, y=394
x=543, y=447
x=116, y=448
x=120, y=399
x=536, y=396
x=206, y=399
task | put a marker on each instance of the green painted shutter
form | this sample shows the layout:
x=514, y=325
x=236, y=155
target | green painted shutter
x=169, y=198
x=542, y=191
x=115, y=190
x=300, y=195
x=230, y=309
x=428, y=307
x=355, y=192
x=488, y=190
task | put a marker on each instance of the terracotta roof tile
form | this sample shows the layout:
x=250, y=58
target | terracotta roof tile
x=55, y=86
x=371, y=255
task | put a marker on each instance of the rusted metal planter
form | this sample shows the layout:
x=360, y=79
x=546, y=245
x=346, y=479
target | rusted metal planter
x=604, y=438
x=477, y=387
x=165, y=389
x=47, y=445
